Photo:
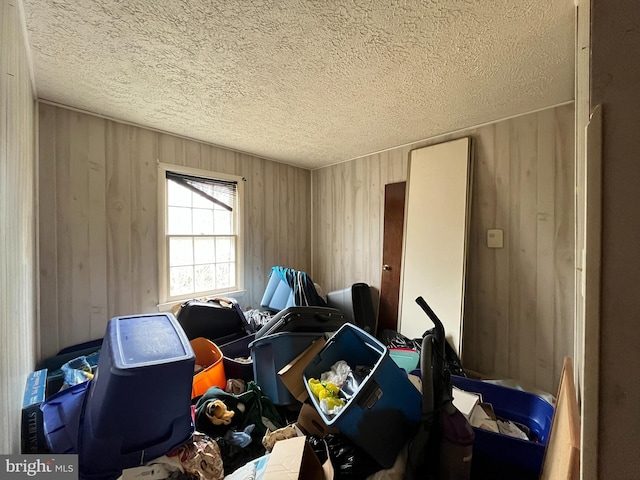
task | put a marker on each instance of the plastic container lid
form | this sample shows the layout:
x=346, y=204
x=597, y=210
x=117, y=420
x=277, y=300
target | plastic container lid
x=146, y=339
x=405, y=358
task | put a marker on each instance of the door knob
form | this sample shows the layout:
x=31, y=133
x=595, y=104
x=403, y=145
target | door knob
x=386, y=267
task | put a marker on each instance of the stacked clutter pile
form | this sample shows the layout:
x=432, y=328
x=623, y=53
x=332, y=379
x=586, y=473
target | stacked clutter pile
x=206, y=395
x=140, y=410
x=378, y=406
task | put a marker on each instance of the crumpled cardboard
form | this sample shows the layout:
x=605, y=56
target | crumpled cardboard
x=293, y=459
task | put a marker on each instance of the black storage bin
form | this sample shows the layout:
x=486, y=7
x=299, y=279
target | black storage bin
x=232, y=351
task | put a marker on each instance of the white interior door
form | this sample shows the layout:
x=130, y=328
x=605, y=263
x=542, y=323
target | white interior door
x=435, y=239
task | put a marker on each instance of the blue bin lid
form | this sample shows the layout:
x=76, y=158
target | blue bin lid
x=147, y=339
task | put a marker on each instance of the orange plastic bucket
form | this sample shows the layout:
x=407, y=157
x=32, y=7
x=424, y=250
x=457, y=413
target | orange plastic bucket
x=209, y=358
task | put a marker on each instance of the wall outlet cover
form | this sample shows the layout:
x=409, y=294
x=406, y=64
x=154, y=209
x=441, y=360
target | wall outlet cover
x=495, y=238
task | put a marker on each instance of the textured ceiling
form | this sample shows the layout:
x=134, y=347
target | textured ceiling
x=304, y=82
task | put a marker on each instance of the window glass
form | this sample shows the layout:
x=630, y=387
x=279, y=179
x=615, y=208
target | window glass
x=181, y=280
x=205, y=277
x=178, y=196
x=222, y=224
x=180, y=251
x=179, y=220
x=200, y=236
x=204, y=250
x=224, y=275
x=224, y=249
x=203, y=221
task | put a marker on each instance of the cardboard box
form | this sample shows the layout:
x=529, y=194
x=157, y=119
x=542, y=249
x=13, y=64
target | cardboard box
x=295, y=459
x=484, y=417
x=464, y=401
x=292, y=373
x=311, y=423
x=32, y=430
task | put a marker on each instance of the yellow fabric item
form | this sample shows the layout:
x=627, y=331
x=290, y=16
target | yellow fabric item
x=326, y=390
x=218, y=413
x=333, y=402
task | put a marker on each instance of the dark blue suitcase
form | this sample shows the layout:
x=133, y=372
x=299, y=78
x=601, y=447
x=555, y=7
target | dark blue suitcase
x=303, y=320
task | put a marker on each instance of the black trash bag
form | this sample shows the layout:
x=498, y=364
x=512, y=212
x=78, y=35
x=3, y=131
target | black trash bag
x=393, y=339
x=319, y=447
x=348, y=460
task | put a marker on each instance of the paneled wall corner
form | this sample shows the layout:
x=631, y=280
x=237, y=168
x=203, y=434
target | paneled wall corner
x=18, y=328
x=519, y=299
x=98, y=221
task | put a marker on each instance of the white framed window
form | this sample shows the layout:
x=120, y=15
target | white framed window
x=199, y=233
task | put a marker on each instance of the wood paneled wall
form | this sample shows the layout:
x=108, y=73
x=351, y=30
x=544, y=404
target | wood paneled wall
x=519, y=313
x=98, y=219
x=18, y=330
x=98, y=244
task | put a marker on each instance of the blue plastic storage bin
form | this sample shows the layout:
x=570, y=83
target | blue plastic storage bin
x=138, y=405
x=385, y=411
x=61, y=415
x=273, y=352
x=501, y=456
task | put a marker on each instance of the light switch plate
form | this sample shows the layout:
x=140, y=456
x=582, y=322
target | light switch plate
x=495, y=238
